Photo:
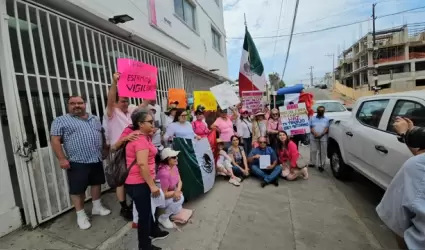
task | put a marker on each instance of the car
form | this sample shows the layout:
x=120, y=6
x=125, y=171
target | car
x=334, y=109
x=366, y=141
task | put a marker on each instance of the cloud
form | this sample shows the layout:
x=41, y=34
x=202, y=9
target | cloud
x=307, y=49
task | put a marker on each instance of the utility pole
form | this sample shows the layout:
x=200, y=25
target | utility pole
x=333, y=67
x=375, y=51
x=311, y=76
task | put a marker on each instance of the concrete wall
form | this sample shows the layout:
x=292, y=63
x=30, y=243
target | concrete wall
x=170, y=31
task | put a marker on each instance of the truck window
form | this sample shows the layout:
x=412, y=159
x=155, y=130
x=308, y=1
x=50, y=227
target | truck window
x=409, y=109
x=370, y=112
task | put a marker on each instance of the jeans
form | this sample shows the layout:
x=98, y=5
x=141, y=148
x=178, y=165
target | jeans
x=318, y=147
x=247, y=145
x=237, y=171
x=268, y=175
x=141, y=195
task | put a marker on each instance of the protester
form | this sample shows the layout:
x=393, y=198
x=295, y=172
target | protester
x=259, y=128
x=82, y=154
x=174, y=104
x=272, y=172
x=402, y=208
x=224, y=126
x=238, y=158
x=288, y=157
x=266, y=111
x=319, y=126
x=244, y=129
x=140, y=184
x=180, y=127
x=274, y=126
x=199, y=126
x=224, y=164
x=170, y=116
x=171, y=185
x=156, y=133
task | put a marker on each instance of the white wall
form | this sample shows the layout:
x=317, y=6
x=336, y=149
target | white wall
x=171, y=33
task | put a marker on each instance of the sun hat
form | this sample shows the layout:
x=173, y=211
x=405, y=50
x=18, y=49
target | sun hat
x=259, y=113
x=168, y=152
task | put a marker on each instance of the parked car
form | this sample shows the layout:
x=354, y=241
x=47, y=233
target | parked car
x=366, y=140
x=334, y=109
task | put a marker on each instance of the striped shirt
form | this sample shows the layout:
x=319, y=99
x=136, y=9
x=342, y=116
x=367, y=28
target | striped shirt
x=82, y=138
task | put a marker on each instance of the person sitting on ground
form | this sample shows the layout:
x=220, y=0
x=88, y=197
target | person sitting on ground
x=288, y=157
x=272, y=172
x=199, y=126
x=180, y=127
x=224, y=164
x=171, y=185
x=238, y=157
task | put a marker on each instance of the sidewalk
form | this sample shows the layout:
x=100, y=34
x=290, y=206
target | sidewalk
x=311, y=214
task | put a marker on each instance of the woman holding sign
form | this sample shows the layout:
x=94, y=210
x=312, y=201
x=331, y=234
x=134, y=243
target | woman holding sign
x=180, y=127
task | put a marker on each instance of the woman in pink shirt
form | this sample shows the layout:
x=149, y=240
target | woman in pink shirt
x=288, y=156
x=140, y=184
x=224, y=126
x=199, y=126
x=171, y=185
x=274, y=126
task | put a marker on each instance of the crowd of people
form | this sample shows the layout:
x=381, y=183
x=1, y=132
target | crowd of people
x=243, y=139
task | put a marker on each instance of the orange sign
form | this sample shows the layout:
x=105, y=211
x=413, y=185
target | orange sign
x=177, y=95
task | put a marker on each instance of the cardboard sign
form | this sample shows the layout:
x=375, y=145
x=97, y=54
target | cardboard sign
x=224, y=95
x=137, y=79
x=177, y=95
x=206, y=99
x=251, y=100
x=295, y=119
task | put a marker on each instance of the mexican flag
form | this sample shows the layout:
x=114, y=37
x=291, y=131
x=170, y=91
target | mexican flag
x=251, y=72
x=196, y=166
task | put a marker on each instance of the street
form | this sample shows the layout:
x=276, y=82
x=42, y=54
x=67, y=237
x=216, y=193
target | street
x=319, y=213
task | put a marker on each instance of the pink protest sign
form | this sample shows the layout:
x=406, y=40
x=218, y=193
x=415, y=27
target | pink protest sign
x=137, y=79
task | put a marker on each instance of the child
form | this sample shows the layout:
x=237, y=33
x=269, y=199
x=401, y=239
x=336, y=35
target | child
x=224, y=164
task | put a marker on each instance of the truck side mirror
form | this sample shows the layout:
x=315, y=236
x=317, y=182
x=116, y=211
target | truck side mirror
x=350, y=109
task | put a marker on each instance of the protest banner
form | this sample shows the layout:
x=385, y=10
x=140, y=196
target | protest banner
x=206, y=99
x=177, y=95
x=137, y=79
x=251, y=100
x=224, y=95
x=294, y=119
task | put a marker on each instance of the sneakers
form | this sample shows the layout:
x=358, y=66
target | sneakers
x=238, y=179
x=263, y=184
x=166, y=223
x=127, y=213
x=311, y=165
x=83, y=220
x=304, y=173
x=276, y=183
x=160, y=235
x=100, y=210
x=234, y=181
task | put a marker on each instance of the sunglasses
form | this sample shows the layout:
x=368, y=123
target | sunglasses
x=262, y=142
x=149, y=121
x=275, y=114
x=183, y=115
x=245, y=113
x=173, y=157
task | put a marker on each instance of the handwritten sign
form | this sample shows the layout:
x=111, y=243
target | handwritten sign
x=251, y=100
x=224, y=95
x=177, y=95
x=137, y=79
x=206, y=99
x=295, y=119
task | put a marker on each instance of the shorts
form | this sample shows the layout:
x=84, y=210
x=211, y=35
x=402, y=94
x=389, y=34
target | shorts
x=82, y=175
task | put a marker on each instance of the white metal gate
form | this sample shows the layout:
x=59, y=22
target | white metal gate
x=51, y=57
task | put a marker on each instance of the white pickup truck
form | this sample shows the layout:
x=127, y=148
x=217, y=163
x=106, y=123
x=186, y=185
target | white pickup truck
x=366, y=141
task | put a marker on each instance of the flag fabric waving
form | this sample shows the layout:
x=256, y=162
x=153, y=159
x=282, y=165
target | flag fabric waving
x=196, y=166
x=251, y=72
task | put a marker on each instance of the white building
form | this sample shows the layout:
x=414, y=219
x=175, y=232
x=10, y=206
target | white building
x=50, y=49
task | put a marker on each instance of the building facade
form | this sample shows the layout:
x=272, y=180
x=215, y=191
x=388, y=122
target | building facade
x=51, y=49
x=399, y=62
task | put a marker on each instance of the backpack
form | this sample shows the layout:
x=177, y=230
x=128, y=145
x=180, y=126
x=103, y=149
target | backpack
x=116, y=172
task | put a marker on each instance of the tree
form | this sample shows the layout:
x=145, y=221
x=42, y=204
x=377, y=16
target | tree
x=275, y=80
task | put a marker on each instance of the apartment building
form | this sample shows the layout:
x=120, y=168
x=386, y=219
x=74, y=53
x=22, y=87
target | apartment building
x=50, y=49
x=399, y=62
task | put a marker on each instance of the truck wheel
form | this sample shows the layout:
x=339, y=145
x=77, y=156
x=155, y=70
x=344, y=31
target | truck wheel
x=340, y=170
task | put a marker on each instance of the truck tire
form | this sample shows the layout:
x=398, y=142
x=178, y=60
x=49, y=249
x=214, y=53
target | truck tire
x=340, y=170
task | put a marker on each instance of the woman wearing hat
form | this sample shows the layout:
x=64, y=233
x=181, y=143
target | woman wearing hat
x=259, y=128
x=171, y=185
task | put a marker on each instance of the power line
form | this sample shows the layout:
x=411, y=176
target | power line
x=290, y=38
x=329, y=28
x=277, y=31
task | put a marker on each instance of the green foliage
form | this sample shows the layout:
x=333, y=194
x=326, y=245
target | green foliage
x=275, y=80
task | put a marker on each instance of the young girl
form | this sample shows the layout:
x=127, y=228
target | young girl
x=224, y=164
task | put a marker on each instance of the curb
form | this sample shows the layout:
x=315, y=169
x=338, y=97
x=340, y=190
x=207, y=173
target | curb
x=108, y=243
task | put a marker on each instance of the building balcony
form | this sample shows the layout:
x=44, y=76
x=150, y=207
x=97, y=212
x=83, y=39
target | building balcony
x=390, y=59
x=416, y=55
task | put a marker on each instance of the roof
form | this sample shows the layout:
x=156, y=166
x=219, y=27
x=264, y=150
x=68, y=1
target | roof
x=416, y=93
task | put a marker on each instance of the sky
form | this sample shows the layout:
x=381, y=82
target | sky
x=262, y=17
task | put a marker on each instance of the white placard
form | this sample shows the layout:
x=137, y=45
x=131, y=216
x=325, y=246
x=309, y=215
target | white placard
x=294, y=119
x=224, y=95
x=264, y=161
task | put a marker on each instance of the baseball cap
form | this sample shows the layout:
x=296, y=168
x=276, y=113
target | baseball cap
x=168, y=152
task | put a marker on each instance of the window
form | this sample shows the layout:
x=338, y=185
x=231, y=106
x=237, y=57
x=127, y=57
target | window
x=216, y=40
x=330, y=107
x=409, y=109
x=370, y=112
x=186, y=11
